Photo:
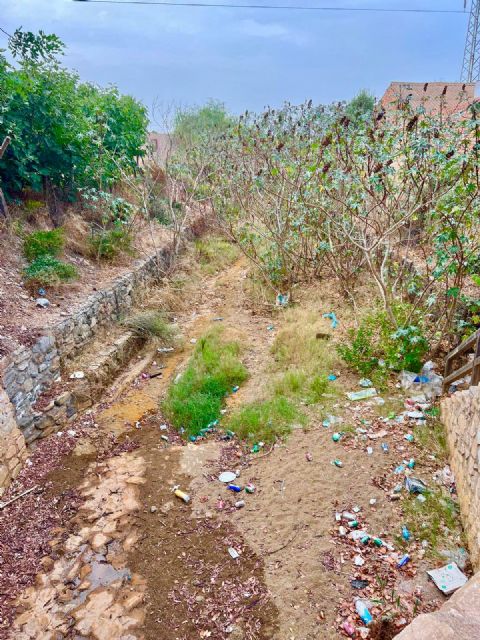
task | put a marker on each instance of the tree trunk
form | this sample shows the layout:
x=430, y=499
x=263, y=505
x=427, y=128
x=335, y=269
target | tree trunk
x=3, y=204
x=54, y=203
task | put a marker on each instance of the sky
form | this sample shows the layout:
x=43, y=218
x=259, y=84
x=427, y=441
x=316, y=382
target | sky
x=248, y=58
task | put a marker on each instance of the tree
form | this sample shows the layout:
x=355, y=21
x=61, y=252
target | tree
x=361, y=106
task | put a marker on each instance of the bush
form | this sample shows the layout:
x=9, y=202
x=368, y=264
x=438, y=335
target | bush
x=265, y=421
x=109, y=244
x=214, y=253
x=48, y=271
x=43, y=243
x=197, y=397
x=376, y=347
x=152, y=324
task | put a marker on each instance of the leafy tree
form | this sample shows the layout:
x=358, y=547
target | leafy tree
x=361, y=106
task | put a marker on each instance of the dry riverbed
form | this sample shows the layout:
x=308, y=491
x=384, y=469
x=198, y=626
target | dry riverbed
x=116, y=554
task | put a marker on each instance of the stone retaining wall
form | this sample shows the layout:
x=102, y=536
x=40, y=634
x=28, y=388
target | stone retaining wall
x=29, y=374
x=461, y=417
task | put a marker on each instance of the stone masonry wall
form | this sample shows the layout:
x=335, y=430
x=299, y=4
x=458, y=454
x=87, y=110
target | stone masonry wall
x=31, y=371
x=12, y=443
x=461, y=417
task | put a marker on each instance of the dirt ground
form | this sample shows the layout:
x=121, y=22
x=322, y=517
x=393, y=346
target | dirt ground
x=137, y=562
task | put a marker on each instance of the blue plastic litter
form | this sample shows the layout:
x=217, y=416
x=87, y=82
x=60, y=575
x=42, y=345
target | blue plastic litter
x=331, y=316
x=332, y=377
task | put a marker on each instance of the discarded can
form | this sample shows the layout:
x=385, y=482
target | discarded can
x=411, y=464
x=192, y=438
x=326, y=423
x=385, y=447
x=234, y=487
x=378, y=542
x=255, y=448
x=363, y=611
x=409, y=437
x=353, y=524
x=233, y=553
x=235, y=388
x=250, y=488
x=403, y=560
x=365, y=539
x=338, y=463
x=164, y=438
x=182, y=495
x=336, y=437
x=239, y=504
x=406, y=535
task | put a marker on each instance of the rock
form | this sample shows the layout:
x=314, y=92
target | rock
x=153, y=508
x=43, y=303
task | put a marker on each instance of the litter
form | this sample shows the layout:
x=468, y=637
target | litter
x=77, y=375
x=385, y=447
x=411, y=464
x=448, y=578
x=403, y=560
x=415, y=415
x=409, y=437
x=336, y=437
x=163, y=427
x=459, y=556
x=43, y=303
x=348, y=628
x=250, y=488
x=270, y=327
x=181, y=494
x=337, y=463
x=365, y=383
x=421, y=497
x=239, y=504
x=308, y=456
x=331, y=316
x=369, y=450
x=332, y=377
x=342, y=531
x=42, y=292
x=399, y=469
x=359, y=584
x=372, y=502
x=358, y=561
x=363, y=611
x=362, y=395
x=406, y=535
x=282, y=299
x=164, y=438
x=193, y=341
x=165, y=349
x=234, y=487
x=415, y=485
x=227, y=476
x=233, y=553
x=218, y=319
x=235, y=388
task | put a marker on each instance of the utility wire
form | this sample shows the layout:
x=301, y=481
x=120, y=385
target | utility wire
x=7, y=34
x=169, y=3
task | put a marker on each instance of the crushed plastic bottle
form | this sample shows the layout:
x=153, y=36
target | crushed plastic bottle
x=331, y=316
x=406, y=535
x=415, y=485
x=332, y=377
x=362, y=395
x=362, y=610
x=365, y=383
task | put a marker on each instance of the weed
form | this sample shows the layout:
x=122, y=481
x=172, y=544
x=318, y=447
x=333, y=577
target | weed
x=376, y=347
x=215, y=253
x=432, y=520
x=197, y=397
x=43, y=243
x=152, y=324
x=431, y=438
x=109, y=244
x=48, y=271
x=265, y=421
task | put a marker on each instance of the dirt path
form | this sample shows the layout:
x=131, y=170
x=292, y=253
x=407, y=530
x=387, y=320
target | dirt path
x=136, y=562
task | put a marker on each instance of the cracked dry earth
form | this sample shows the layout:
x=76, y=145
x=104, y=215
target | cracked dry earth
x=136, y=563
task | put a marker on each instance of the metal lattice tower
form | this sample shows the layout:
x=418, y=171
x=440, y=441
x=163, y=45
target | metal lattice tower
x=471, y=57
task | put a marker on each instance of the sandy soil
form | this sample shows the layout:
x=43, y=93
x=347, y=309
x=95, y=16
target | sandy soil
x=162, y=568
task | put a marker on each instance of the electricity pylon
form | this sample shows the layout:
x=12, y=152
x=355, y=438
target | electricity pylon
x=471, y=57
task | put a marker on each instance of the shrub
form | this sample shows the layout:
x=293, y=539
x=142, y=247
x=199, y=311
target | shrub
x=215, y=253
x=109, y=244
x=152, y=324
x=197, y=397
x=376, y=347
x=265, y=421
x=48, y=271
x=43, y=243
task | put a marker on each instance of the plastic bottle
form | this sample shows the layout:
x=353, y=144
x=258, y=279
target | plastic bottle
x=363, y=611
x=406, y=535
x=234, y=487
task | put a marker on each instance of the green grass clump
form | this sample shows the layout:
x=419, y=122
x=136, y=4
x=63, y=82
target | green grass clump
x=43, y=243
x=109, y=244
x=152, y=324
x=298, y=384
x=48, y=271
x=432, y=439
x=265, y=421
x=215, y=253
x=197, y=397
x=433, y=520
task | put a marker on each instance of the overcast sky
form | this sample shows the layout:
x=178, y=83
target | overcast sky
x=249, y=58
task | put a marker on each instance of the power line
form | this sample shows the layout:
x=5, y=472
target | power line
x=5, y=32
x=169, y=3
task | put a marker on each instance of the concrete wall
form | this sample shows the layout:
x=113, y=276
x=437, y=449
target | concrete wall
x=461, y=417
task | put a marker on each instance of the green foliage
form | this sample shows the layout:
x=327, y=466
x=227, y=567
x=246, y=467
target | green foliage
x=65, y=133
x=48, y=271
x=43, y=243
x=361, y=106
x=377, y=347
x=152, y=324
x=265, y=421
x=433, y=520
x=198, y=123
x=108, y=244
x=196, y=399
